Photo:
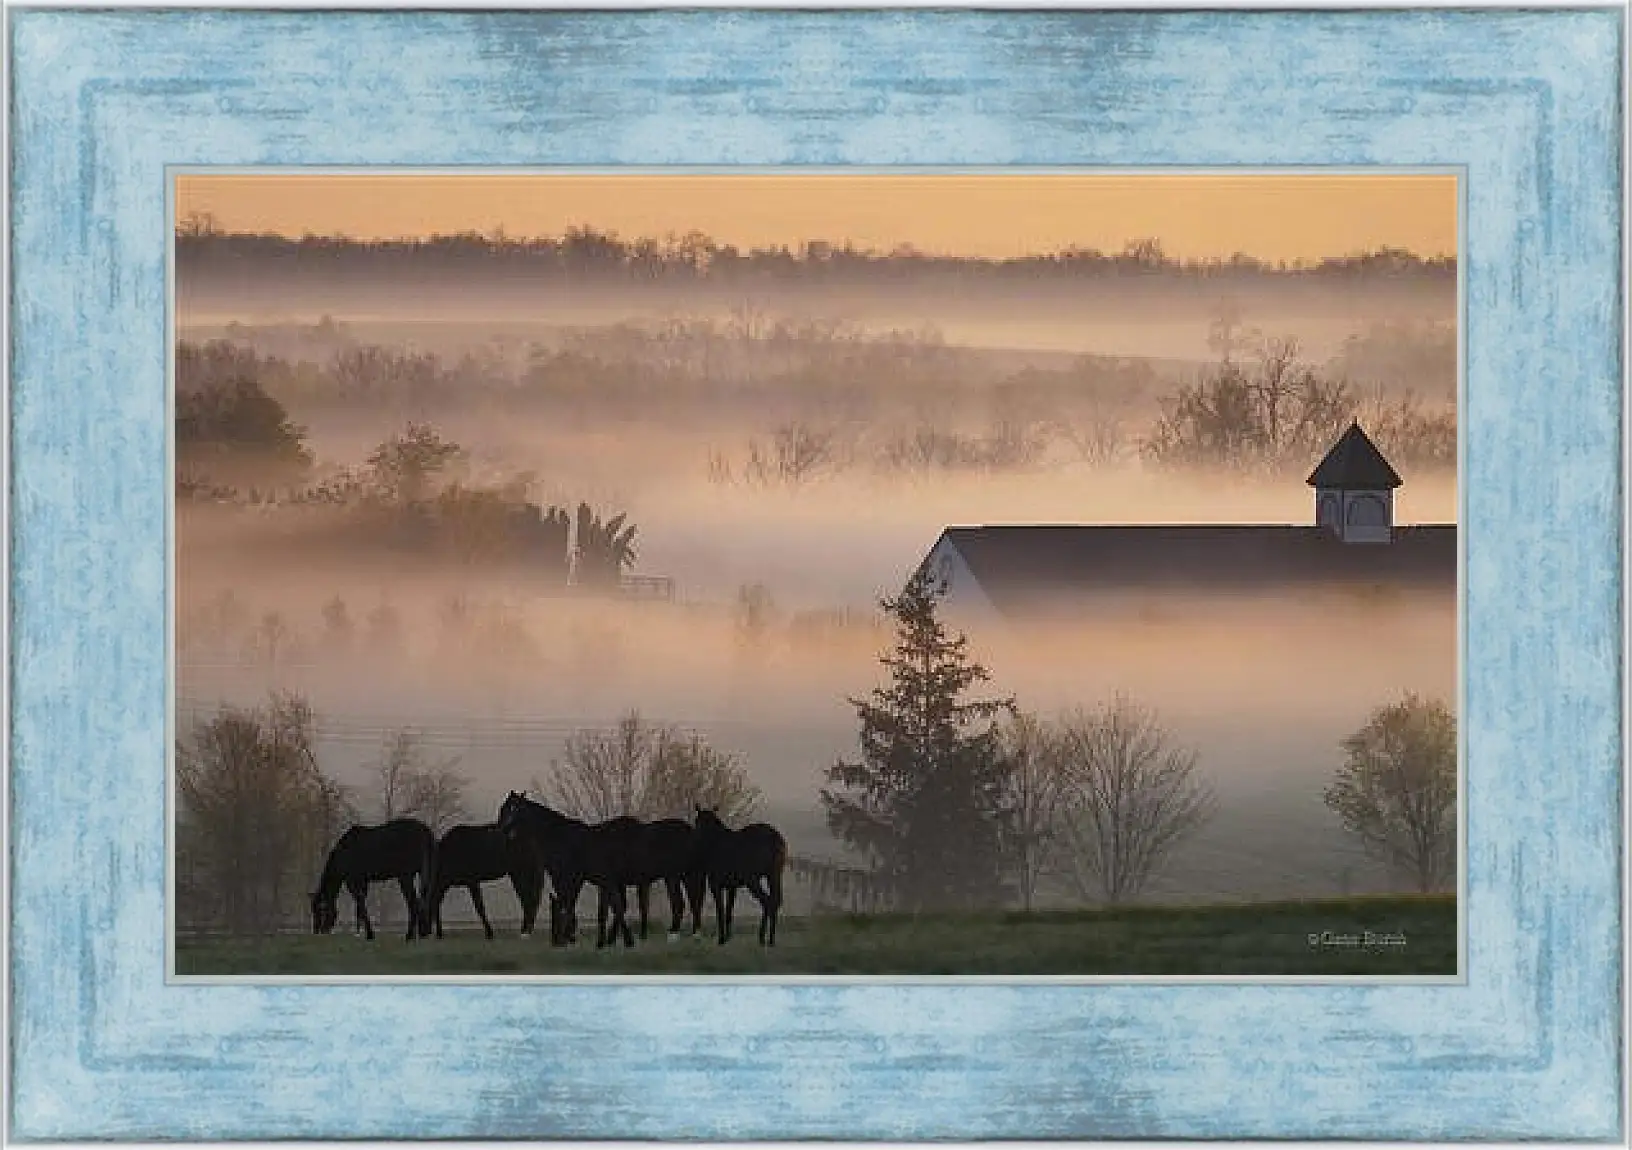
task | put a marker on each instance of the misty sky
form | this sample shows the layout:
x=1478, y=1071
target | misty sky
x=1272, y=217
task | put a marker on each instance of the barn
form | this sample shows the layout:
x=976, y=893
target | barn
x=1006, y=571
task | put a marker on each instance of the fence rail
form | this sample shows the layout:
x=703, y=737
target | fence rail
x=648, y=587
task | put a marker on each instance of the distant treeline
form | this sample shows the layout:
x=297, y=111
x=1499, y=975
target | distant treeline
x=582, y=253
x=842, y=399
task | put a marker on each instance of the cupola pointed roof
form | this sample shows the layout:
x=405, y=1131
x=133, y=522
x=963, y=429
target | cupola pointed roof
x=1355, y=464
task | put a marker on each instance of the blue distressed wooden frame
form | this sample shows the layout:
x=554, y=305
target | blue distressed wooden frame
x=1527, y=101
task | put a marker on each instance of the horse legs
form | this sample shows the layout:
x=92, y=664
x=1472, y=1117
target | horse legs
x=770, y=902
x=730, y=907
x=529, y=895
x=359, y=898
x=613, y=903
x=719, y=910
x=568, y=891
x=643, y=892
x=677, y=904
x=475, y=890
x=773, y=884
x=529, y=913
x=696, y=888
x=412, y=899
x=620, y=911
x=437, y=895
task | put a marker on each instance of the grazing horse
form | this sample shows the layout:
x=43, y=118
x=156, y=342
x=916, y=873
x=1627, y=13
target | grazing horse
x=575, y=852
x=756, y=854
x=663, y=851
x=470, y=855
x=402, y=849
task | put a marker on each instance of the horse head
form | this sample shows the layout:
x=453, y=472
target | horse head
x=324, y=912
x=517, y=806
x=508, y=811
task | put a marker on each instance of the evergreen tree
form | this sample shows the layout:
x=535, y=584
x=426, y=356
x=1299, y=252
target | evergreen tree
x=926, y=800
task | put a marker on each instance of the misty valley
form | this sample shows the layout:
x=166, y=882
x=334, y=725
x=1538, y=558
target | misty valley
x=649, y=553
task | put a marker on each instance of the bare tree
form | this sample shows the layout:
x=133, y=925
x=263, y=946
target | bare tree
x=410, y=786
x=1396, y=790
x=1036, y=786
x=1276, y=387
x=1275, y=414
x=650, y=772
x=1095, y=433
x=1130, y=799
x=686, y=773
x=797, y=453
x=600, y=772
x=392, y=771
x=436, y=796
x=1226, y=334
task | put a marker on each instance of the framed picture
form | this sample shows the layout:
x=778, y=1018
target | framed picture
x=876, y=574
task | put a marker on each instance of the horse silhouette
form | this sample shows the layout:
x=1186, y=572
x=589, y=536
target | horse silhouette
x=402, y=849
x=750, y=857
x=574, y=852
x=663, y=851
x=470, y=855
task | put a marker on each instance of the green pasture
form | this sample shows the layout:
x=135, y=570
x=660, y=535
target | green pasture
x=1409, y=936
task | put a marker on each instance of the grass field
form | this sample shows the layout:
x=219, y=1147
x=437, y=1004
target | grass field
x=1326, y=937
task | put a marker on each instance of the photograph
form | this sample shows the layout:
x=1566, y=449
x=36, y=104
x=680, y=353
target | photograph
x=845, y=572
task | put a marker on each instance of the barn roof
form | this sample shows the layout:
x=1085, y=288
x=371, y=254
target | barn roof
x=1354, y=463
x=1015, y=563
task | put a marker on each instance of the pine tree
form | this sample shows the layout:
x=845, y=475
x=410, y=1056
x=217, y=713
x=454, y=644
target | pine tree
x=925, y=802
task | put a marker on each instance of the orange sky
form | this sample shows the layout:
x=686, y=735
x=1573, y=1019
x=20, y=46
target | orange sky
x=1274, y=217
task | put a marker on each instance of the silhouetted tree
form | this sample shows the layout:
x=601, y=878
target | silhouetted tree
x=601, y=551
x=925, y=801
x=255, y=817
x=478, y=525
x=234, y=428
x=650, y=772
x=686, y=773
x=797, y=453
x=1227, y=334
x=409, y=785
x=588, y=253
x=403, y=466
x=1129, y=799
x=1278, y=414
x=385, y=375
x=1035, y=791
x=1408, y=433
x=1396, y=790
x=338, y=630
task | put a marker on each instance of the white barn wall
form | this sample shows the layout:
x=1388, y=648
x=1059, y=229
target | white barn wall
x=964, y=604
